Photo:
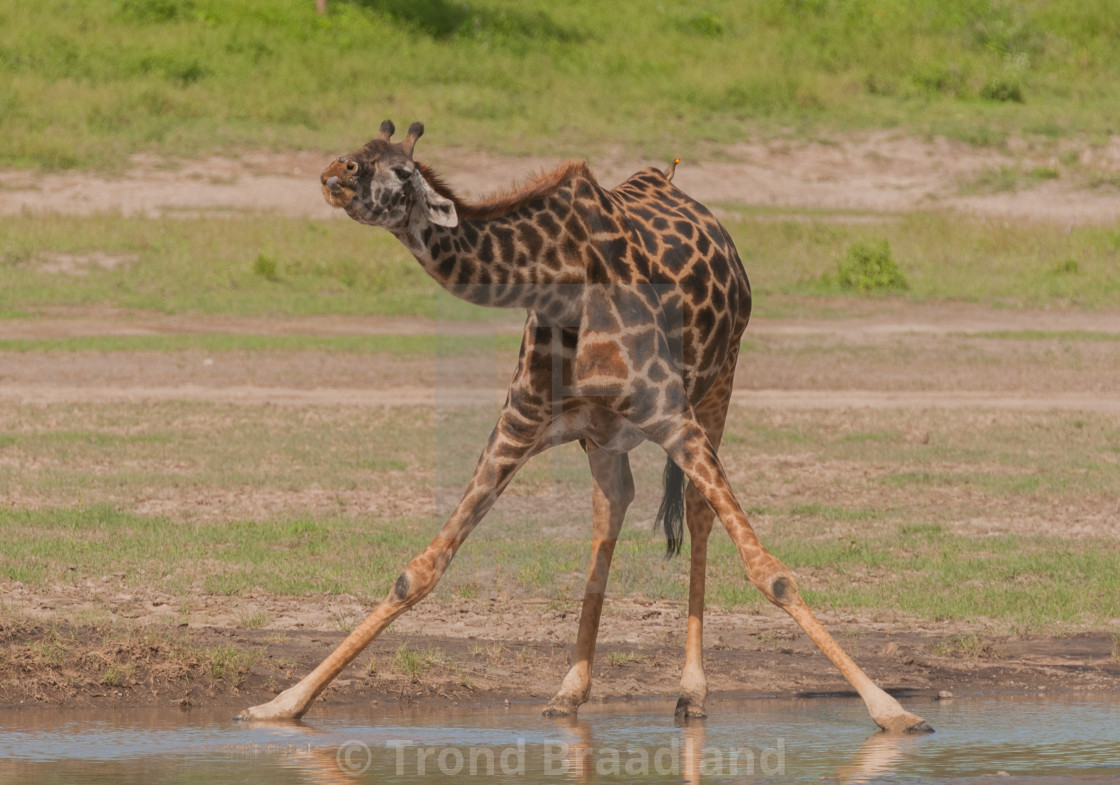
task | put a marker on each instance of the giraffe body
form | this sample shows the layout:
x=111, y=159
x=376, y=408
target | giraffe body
x=645, y=279
x=636, y=302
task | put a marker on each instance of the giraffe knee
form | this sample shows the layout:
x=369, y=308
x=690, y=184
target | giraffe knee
x=401, y=587
x=777, y=585
x=412, y=586
x=783, y=589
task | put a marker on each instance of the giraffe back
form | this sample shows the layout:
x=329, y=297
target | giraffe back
x=694, y=267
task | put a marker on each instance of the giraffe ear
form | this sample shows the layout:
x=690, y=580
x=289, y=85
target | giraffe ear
x=438, y=208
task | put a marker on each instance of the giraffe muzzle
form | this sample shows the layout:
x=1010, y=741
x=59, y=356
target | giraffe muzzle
x=336, y=194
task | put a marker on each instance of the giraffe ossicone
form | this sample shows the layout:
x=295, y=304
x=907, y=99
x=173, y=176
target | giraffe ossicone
x=636, y=302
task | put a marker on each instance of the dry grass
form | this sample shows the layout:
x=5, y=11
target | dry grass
x=64, y=661
x=870, y=509
x=971, y=646
x=936, y=513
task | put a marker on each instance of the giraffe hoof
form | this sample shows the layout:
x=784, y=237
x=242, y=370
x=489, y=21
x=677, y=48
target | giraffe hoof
x=905, y=723
x=285, y=706
x=687, y=710
x=560, y=708
x=266, y=713
x=557, y=712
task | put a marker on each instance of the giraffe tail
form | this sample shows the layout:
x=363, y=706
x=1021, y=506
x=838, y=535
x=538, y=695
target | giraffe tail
x=671, y=512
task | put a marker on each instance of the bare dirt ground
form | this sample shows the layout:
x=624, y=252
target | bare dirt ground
x=488, y=650
x=879, y=172
x=482, y=653
x=962, y=364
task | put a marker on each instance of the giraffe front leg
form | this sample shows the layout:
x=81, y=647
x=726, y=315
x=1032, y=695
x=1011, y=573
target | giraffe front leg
x=410, y=587
x=694, y=685
x=501, y=459
x=693, y=453
x=612, y=494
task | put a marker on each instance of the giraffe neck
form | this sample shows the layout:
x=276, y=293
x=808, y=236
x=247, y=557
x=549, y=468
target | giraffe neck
x=530, y=247
x=502, y=262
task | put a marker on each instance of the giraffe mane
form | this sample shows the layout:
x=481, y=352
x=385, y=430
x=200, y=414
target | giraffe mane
x=512, y=199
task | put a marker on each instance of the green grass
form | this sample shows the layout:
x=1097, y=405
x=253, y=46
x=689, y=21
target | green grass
x=1069, y=336
x=252, y=621
x=414, y=663
x=621, y=659
x=869, y=268
x=117, y=452
x=55, y=440
x=87, y=84
x=1031, y=581
x=318, y=267
x=224, y=662
x=399, y=345
x=889, y=532
x=943, y=256
x=970, y=646
x=212, y=266
x=1006, y=178
x=271, y=555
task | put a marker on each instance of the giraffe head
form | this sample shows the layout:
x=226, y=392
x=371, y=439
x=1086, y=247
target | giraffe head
x=381, y=185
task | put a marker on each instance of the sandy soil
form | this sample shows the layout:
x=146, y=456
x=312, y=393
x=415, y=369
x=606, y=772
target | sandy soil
x=487, y=650
x=879, y=172
x=793, y=363
x=468, y=659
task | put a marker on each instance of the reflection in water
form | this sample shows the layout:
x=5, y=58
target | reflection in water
x=575, y=754
x=579, y=749
x=1067, y=739
x=879, y=756
x=322, y=765
x=692, y=750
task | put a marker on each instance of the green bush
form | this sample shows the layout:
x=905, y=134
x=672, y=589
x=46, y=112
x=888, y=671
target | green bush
x=705, y=23
x=1002, y=90
x=265, y=267
x=869, y=267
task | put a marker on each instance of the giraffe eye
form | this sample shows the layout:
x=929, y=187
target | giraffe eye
x=402, y=172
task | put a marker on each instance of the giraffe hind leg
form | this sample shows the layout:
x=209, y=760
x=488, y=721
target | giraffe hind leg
x=694, y=684
x=612, y=493
x=689, y=447
x=711, y=413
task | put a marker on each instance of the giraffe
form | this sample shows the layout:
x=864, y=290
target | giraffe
x=636, y=301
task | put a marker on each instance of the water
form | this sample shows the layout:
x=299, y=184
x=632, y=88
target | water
x=1032, y=739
